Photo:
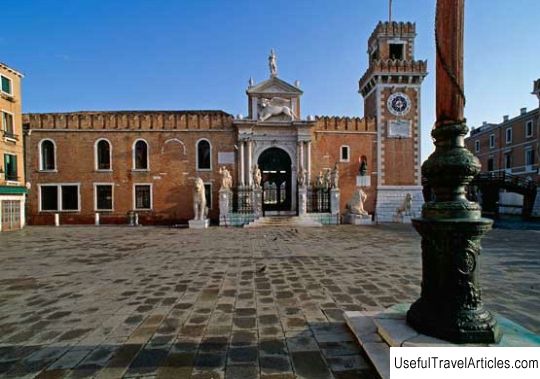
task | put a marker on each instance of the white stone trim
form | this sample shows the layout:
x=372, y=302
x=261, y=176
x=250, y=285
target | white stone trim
x=40, y=156
x=95, y=197
x=197, y=154
x=59, y=197
x=133, y=162
x=96, y=159
x=134, y=198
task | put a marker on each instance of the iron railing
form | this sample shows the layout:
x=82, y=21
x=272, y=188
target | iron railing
x=318, y=199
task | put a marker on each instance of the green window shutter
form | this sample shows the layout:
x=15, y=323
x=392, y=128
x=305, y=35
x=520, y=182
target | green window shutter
x=6, y=85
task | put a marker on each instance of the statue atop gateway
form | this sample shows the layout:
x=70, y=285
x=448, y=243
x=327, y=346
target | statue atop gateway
x=274, y=100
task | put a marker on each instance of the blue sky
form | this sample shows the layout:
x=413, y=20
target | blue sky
x=199, y=54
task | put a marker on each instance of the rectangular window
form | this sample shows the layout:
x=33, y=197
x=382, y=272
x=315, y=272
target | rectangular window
x=477, y=146
x=6, y=85
x=208, y=194
x=104, y=197
x=49, y=198
x=490, y=164
x=509, y=135
x=70, y=198
x=491, y=141
x=7, y=124
x=396, y=51
x=529, y=157
x=529, y=129
x=10, y=167
x=143, y=196
x=59, y=197
x=345, y=153
x=507, y=161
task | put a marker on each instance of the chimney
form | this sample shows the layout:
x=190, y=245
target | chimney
x=484, y=123
x=523, y=111
x=506, y=118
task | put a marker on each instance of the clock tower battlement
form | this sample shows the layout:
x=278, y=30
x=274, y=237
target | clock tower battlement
x=391, y=88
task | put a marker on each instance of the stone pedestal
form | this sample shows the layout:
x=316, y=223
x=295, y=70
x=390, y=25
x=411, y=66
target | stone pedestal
x=225, y=206
x=334, y=201
x=358, y=219
x=302, y=201
x=257, y=202
x=199, y=224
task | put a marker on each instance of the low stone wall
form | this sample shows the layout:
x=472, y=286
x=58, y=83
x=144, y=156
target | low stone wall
x=390, y=199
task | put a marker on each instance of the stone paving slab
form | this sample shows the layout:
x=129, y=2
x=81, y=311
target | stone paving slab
x=111, y=302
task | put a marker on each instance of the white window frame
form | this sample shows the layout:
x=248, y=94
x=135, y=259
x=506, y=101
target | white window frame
x=477, y=146
x=509, y=154
x=96, y=209
x=16, y=167
x=211, y=194
x=348, y=153
x=96, y=156
x=10, y=86
x=528, y=167
x=508, y=140
x=492, y=141
x=133, y=166
x=59, y=195
x=12, y=123
x=135, y=197
x=40, y=160
x=197, y=155
x=527, y=125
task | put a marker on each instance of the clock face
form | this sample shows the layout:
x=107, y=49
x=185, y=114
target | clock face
x=399, y=104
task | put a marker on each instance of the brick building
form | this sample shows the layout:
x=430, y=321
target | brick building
x=511, y=147
x=12, y=180
x=111, y=163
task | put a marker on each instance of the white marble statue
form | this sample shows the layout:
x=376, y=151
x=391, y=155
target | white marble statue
x=355, y=206
x=406, y=206
x=199, y=200
x=272, y=63
x=320, y=180
x=274, y=107
x=334, y=177
x=302, y=176
x=327, y=181
x=226, y=178
x=257, y=176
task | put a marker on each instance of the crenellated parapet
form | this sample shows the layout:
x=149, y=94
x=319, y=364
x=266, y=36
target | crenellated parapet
x=337, y=123
x=393, y=29
x=394, y=71
x=129, y=120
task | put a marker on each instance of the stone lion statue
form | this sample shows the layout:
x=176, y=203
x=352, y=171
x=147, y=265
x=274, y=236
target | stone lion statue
x=355, y=206
x=406, y=206
x=199, y=200
x=274, y=107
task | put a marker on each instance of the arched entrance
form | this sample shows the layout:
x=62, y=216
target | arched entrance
x=275, y=166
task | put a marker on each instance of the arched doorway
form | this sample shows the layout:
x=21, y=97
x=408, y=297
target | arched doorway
x=275, y=166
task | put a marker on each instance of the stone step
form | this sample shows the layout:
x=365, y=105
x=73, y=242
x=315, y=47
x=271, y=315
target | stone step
x=283, y=221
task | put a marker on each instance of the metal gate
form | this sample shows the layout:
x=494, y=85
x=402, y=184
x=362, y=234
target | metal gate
x=11, y=215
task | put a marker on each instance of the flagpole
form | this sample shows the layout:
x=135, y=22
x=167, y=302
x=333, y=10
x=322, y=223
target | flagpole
x=390, y=11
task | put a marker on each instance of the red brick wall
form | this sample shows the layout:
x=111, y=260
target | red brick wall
x=171, y=171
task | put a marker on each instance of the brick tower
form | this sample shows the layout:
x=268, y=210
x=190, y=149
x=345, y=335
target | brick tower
x=391, y=88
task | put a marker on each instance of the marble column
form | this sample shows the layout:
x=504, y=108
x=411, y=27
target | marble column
x=242, y=169
x=308, y=151
x=249, y=162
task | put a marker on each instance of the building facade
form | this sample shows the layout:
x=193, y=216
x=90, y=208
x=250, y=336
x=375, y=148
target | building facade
x=110, y=163
x=511, y=147
x=12, y=178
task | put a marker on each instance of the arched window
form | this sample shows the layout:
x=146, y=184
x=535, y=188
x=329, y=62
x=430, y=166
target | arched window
x=47, y=155
x=103, y=155
x=204, y=154
x=140, y=155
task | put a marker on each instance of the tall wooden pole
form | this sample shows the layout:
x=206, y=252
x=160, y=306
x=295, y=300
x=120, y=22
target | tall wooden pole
x=450, y=306
x=449, y=35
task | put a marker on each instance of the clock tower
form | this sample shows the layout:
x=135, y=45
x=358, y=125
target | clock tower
x=391, y=88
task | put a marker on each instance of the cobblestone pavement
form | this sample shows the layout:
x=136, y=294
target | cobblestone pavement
x=113, y=302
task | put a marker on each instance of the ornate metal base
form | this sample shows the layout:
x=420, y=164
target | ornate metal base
x=450, y=307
